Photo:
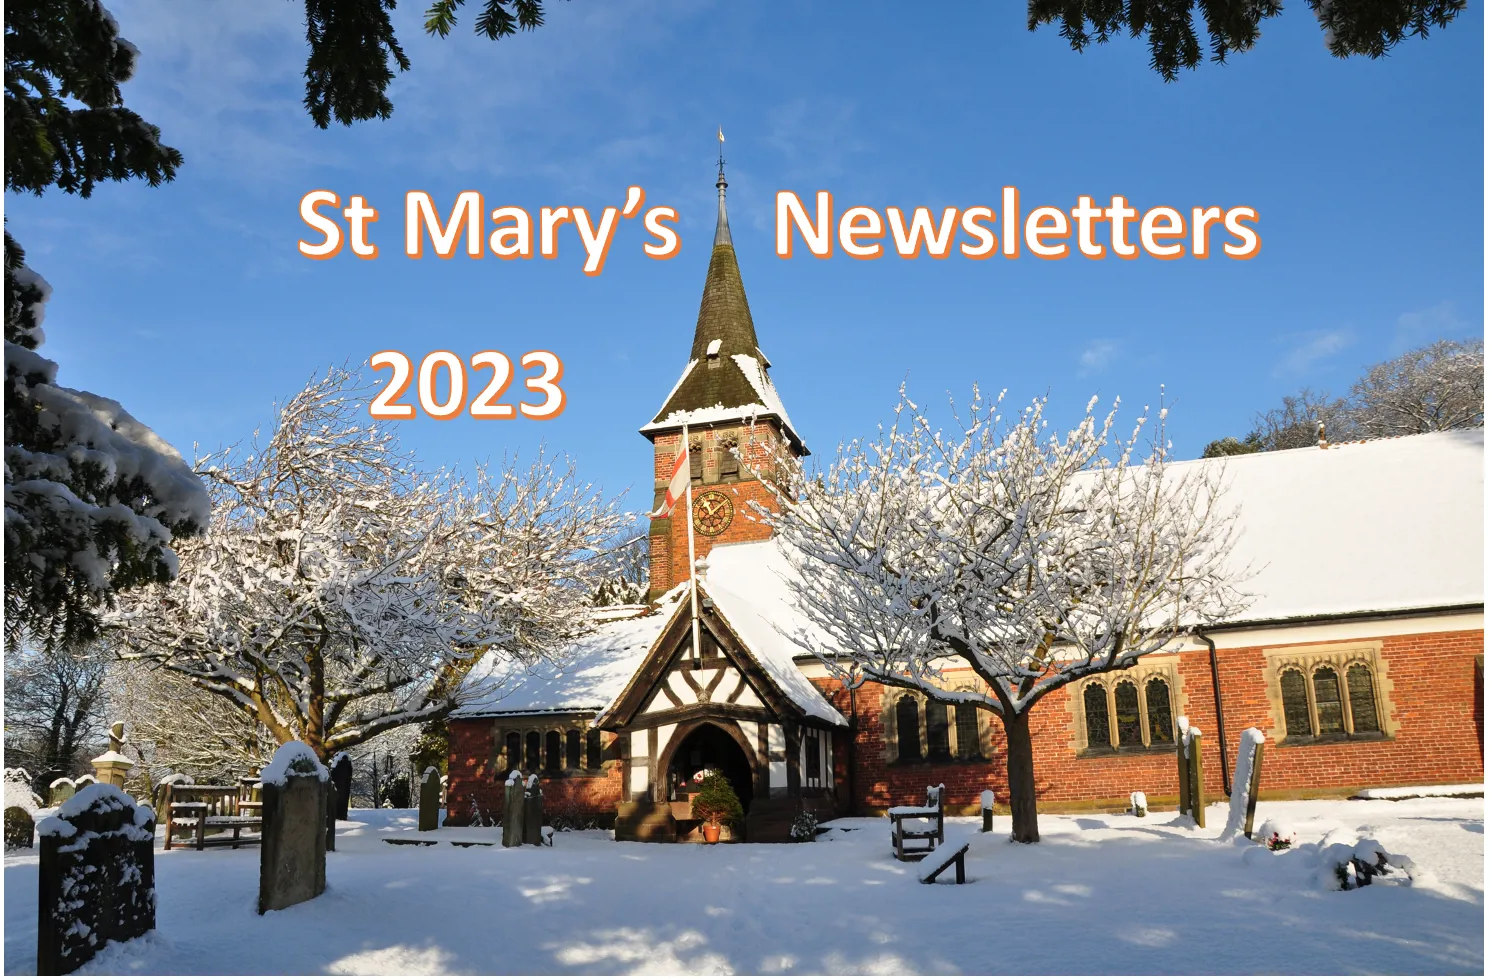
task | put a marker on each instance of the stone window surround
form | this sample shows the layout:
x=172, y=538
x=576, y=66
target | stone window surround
x=1341, y=656
x=892, y=735
x=1166, y=667
x=502, y=727
x=707, y=449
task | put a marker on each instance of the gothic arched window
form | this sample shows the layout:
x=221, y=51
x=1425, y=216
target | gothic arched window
x=908, y=728
x=968, y=746
x=937, y=745
x=1094, y=699
x=1161, y=715
x=571, y=749
x=1129, y=727
x=532, y=746
x=1362, y=699
x=514, y=753
x=1295, y=705
x=553, y=754
x=1327, y=707
x=592, y=749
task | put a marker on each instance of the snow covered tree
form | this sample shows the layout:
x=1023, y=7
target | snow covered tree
x=1435, y=387
x=1351, y=27
x=175, y=727
x=629, y=572
x=339, y=592
x=1031, y=559
x=93, y=498
x=1440, y=386
x=54, y=710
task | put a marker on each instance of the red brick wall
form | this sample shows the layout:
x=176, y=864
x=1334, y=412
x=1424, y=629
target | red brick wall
x=1433, y=700
x=669, y=555
x=474, y=778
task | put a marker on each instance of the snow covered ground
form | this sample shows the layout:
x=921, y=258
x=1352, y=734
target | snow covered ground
x=1100, y=894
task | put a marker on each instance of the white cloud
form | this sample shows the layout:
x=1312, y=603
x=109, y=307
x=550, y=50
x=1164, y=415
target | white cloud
x=1313, y=347
x=1434, y=323
x=1097, y=355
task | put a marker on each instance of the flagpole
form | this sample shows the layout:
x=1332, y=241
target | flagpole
x=692, y=562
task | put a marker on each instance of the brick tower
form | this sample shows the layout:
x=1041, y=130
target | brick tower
x=726, y=398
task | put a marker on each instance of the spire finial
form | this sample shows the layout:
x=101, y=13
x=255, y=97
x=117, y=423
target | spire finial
x=721, y=230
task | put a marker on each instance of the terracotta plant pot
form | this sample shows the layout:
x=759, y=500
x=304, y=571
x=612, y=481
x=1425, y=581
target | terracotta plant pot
x=711, y=833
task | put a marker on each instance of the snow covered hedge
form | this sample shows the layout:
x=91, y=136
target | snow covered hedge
x=93, y=497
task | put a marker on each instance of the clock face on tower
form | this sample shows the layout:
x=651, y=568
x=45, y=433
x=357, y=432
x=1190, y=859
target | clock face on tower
x=712, y=512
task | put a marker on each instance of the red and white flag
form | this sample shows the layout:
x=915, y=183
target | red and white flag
x=677, y=485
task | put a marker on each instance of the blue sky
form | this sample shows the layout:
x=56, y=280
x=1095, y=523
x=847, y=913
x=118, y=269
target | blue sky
x=190, y=305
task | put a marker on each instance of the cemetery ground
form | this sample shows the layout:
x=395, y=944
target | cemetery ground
x=1099, y=894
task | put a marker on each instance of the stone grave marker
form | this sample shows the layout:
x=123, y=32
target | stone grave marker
x=292, y=853
x=96, y=880
x=1191, y=757
x=512, y=811
x=533, y=812
x=429, y=800
x=20, y=829
x=987, y=801
x=341, y=779
x=60, y=791
x=1246, y=782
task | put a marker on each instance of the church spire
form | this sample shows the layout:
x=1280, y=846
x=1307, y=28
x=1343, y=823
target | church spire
x=721, y=229
x=727, y=377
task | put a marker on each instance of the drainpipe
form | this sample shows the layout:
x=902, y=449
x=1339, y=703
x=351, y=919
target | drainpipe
x=1220, y=717
x=853, y=750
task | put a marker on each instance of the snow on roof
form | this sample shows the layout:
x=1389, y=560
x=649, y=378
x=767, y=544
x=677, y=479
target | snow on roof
x=748, y=583
x=713, y=349
x=1387, y=525
x=768, y=403
x=585, y=676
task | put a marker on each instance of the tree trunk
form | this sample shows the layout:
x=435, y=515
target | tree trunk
x=1020, y=764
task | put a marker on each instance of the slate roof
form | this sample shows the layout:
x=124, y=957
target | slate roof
x=727, y=377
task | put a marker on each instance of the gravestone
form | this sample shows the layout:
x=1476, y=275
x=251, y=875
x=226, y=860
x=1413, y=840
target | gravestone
x=60, y=791
x=96, y=880
x=987, y=801
x=512, y=811
x=1138, y=803
x=341, y=779
x=292, y=852
x=1191, y=757
x=1245, y=784
x=84, y=780
x=533, y=812
x=20, y=829
x=429, y=800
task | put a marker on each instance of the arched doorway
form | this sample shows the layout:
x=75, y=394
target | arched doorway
x=710, y=747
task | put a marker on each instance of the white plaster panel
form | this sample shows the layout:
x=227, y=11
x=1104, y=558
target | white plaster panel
x=664, y=733
x=748, y=698
x=776, y=746
x=679, y=686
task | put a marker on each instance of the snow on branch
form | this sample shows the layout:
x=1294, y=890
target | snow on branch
x=1030, y=556
x=340, y=591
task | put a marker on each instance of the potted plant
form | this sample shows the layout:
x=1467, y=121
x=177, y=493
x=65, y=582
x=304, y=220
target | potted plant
x=715, y=803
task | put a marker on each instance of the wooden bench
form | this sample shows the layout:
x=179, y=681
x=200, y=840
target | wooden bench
x=196, y=810
x=916, y=831
x=949, y=853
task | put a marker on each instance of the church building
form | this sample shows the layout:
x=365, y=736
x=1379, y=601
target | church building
x=1361, y=657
